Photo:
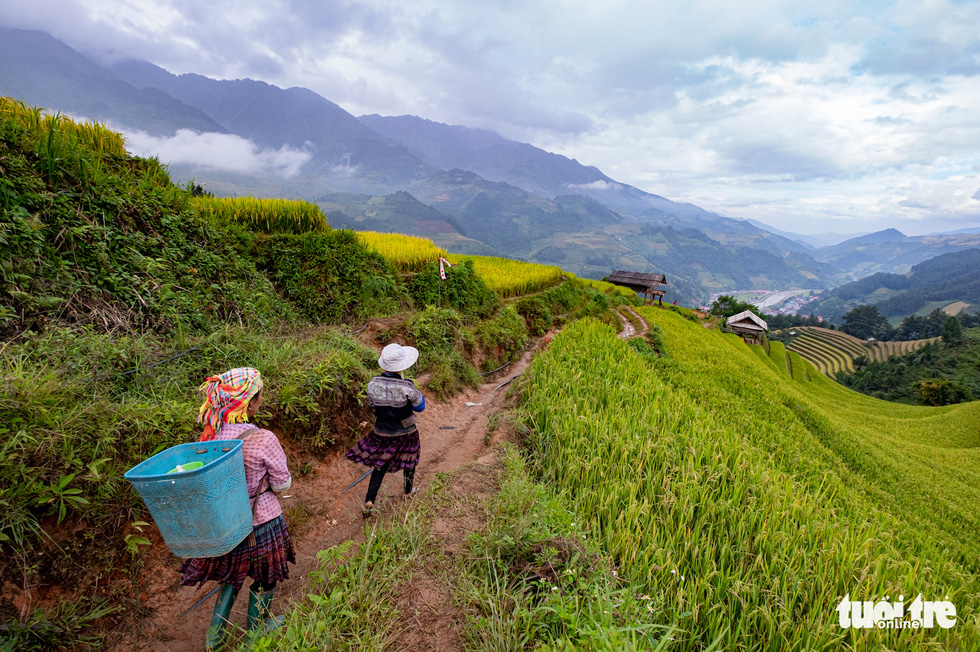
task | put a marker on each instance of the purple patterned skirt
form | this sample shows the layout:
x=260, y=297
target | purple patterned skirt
x=398, y=452
x=264, y=562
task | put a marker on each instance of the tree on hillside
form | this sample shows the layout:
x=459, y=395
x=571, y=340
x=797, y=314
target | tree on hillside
x=915, y=327
x=911, y=328
x=789, y=321
x=865, y=322
x=726, y=306
x=934, y=323
x=952, y=331
x=939, y=391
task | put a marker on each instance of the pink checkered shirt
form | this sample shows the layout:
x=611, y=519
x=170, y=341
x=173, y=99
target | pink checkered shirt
x=263, y=455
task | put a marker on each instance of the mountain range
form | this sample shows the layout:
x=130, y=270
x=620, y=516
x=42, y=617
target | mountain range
x=469, y=190
x=891, y=251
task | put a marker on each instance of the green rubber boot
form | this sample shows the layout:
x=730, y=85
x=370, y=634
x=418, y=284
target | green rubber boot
x=259, y=620
x=222, y=610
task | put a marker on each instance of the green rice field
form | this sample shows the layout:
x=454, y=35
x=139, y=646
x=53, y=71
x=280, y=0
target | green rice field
x=747, y=494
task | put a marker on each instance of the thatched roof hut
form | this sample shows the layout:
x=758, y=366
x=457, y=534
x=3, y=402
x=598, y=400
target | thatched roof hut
x=648, y=284
x=750, y=326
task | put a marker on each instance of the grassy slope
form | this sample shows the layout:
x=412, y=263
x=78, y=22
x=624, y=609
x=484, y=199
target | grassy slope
x=525, y=576
x=773, y=498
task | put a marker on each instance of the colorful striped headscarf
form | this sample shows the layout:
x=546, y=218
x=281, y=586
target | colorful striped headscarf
x=226, y=399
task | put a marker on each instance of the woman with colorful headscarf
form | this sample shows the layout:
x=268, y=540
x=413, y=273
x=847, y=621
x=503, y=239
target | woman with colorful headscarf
x=394, y=442
x=231, y=399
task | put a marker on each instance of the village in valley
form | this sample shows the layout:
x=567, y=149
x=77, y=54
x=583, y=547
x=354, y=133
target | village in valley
x=773, y=302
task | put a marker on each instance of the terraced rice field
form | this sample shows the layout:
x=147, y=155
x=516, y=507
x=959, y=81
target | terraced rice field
x=746, y=505
x=512, y=278
x=408, y=252
x=506, y=277
x=832, y=351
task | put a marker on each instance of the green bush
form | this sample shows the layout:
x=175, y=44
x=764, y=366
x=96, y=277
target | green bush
x=655, y=338
x=441, y=337
x=562, y=298
x=939, y=391
x=597, y=305
x=504, y=337
x=330, y=276
x=462, y=290
x=536, y=315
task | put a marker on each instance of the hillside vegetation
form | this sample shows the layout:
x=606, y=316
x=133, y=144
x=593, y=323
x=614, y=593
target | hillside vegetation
x=120, y=293
x=940, y=373
x=942, y=280
x=748, y=501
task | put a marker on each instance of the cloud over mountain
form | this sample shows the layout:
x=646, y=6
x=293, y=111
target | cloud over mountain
x=220, y=151
x=746, y=105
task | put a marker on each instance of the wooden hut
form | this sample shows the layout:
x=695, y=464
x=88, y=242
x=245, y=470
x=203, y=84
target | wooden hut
x=750, y=326
x=647, y=284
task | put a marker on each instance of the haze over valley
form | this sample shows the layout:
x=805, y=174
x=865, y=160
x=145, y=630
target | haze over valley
x=472, y=190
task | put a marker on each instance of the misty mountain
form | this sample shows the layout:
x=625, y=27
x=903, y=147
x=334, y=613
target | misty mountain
x=811, y=240
x=550, y=175
x=975, y=229
x=878, y=237
x=42, y=71
x=486, y=153
x=345, y=153
x=892, y=251
x=468, y=189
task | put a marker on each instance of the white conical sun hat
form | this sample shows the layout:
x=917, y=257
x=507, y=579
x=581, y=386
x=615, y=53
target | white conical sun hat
x=396, y=357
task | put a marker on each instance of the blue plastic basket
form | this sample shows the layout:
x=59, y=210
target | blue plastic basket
x=200, y=513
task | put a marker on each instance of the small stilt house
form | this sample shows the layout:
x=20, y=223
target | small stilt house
x=650, y=285
x=748, y=325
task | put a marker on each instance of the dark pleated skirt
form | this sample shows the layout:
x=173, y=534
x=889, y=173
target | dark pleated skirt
x=264, y=562
x=399, y=452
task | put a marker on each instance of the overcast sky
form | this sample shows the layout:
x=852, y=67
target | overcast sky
x=837, y=115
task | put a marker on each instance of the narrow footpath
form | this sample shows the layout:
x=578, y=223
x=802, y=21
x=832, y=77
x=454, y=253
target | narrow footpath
x=453, y=432
x=629, y=329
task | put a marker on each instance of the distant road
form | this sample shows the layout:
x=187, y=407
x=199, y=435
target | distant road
x=774, y=299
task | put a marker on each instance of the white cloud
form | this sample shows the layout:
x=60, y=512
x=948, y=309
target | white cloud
x=828, y=111
x=599, y=184
x=219, y=151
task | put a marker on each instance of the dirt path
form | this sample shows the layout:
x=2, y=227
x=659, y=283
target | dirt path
x=453, y=432
x=629, y=329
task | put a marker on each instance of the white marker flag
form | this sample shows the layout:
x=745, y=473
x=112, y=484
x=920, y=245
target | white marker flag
x=442, y=271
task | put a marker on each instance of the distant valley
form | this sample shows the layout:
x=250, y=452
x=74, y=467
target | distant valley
x=469, y=190
x=949, y=281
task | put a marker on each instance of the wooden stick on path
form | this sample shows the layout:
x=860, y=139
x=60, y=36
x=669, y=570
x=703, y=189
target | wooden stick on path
x=505, y=382
x=356, y=481
x=201, y=601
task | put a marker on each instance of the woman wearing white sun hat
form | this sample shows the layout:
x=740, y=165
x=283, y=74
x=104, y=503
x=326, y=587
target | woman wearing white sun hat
x=393, y=442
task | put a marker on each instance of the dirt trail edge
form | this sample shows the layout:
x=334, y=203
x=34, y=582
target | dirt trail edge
x=629, y=329
x=453, y=432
